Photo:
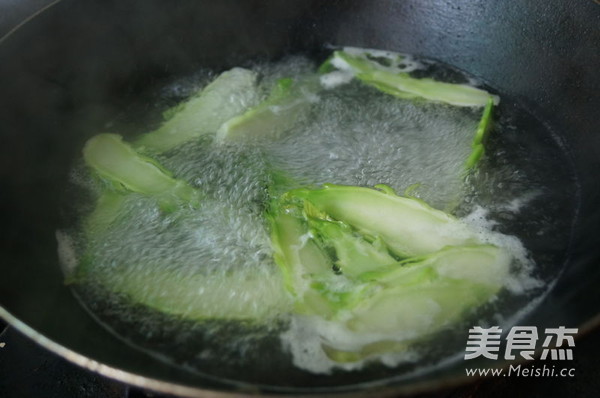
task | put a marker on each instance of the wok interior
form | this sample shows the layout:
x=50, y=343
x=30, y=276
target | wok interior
x=76, y=66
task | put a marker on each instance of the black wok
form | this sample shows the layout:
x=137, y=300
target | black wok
x=67, y=71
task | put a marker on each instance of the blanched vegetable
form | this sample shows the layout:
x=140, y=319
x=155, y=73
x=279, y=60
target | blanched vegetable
x=120, y=165
x=272, y=117
x=227, y=96
x=190, y=294
x=419, y=296
x=482, y=132
x=243, y=295
x=304, y=265
x=408, y=226
x=338, y=248
x=402, y=85
x=354, y=254
x=107, y=209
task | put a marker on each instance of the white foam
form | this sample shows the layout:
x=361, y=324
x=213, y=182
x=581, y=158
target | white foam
x=67, y=256
x=520, y=280
x=336, y=78
x=307, y=335
x=399, y=62
x=515, y=205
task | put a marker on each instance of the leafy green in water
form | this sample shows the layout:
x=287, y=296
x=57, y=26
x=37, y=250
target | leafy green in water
x=229, y=95
x=408, y=226
x=286, y=103
x=341, y=264
x=483, y=129
x=121, y=166
x=401, y=84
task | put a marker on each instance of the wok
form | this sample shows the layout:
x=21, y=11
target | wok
x=67, y=71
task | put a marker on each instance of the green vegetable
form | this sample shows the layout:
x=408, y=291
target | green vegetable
x=482, y=132
x=354, y=254
x=483, y=264
x=337, y=248
x=242, y=295
x=421, y=296
x=408, y=226
x=230, y=94
x=326, y=66
x=239, y=295
x=418, y=297
x=301, y=261
x=120, y=165
x=402, y=85
x=271, y=118
x=108, y=207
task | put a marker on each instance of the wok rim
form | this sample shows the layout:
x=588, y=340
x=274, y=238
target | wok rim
x=168, y=387
x=28, y=19
x=182, y=390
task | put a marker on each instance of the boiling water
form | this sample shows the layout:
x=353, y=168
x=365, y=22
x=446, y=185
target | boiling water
x=352, y=135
